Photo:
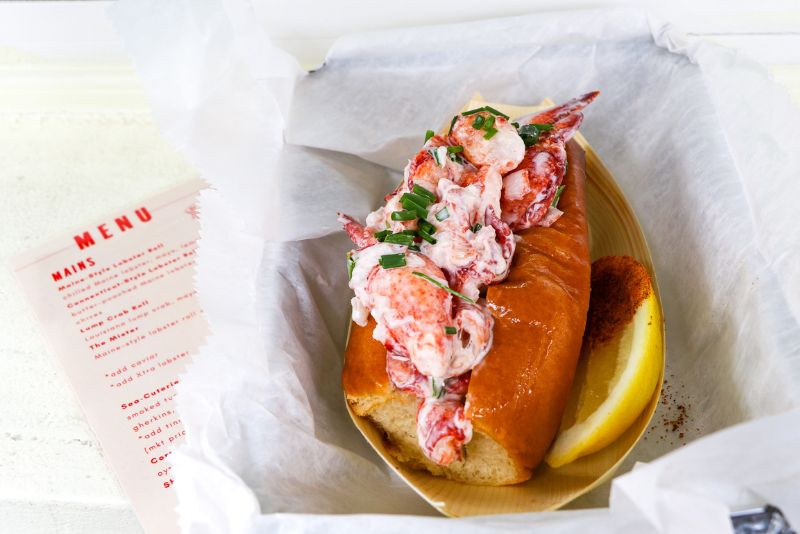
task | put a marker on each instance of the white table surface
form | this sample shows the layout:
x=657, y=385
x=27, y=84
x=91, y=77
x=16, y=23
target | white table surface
x=77, y=140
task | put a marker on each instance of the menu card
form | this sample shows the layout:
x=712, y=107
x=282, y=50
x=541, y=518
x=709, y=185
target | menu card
x=116, y=301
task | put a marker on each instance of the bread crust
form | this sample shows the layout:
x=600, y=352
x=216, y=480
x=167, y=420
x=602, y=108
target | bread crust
x=517, y=394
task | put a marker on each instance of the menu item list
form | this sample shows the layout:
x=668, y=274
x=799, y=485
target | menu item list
x=118, y=308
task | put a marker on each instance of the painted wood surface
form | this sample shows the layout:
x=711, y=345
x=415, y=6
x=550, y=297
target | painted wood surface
x=77, y=140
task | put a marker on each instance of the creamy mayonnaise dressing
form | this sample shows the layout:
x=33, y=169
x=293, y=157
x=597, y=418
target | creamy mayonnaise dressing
x=503, y=151
x=366, y=260
x=429, y=313
x=462, y=246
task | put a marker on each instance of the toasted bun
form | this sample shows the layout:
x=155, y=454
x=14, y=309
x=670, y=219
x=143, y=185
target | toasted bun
x=517, y=394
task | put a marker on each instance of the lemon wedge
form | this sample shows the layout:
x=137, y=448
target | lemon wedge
x=620, y=362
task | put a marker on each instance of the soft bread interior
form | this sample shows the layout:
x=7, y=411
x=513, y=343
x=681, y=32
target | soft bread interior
x=486, y=462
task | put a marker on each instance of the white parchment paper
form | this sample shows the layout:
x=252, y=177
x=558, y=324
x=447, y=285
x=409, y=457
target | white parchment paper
x=702, y=143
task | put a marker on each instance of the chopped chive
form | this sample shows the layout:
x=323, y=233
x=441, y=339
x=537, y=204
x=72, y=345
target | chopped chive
x=421, y=191
x=450, y=330
x=399, y=239
x=442, y=214
x=473, y=111
x=490, y=109
x=380, y=236
x=488, y=124
x=515, y=125
x=455, y=158
x=557, y=196
x=390, y=261
x=437, y=388
x=427, y=237
x=426, y=227
x=478, y=122
x=441, y=285
x=413, y=206
x=529, y=134
x=452, y=123
x=410, y=232
x=543, y=127
x=435, y=153
x=476, y=227
x=416, y=199
x=429, y=134
x=351, y=264
x=406, y=215
x=410, y=205
x=490, y=133
x=415, y=248
x=455, y=149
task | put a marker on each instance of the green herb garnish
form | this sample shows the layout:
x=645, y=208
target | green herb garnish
x=490, y=109
x=450, y=330
x=421, y=191
x=530, y=132
x=417, y=199
x=452, y=123
x=478, y=122
x=557, y=196
x=390, y=261
x=426, y=227
x=442, y=214
x=351, y=264
x=433, y=152
x=488, y=124
x=437, y=388
x=476, y=227
x=427, y=237
x=429, y=134
x=443, y=286
x=453, y=153
x=399, y=239
x=380, y=236
x=408, y=202
x=473, y=111
x=405, y=215
x=490, y=133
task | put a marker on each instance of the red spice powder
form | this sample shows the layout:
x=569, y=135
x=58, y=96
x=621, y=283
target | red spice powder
x=619, y=285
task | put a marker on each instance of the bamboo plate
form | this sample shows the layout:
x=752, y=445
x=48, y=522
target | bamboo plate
x=613, y=230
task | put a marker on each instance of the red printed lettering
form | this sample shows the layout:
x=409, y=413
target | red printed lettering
x=85, y=240
x=143, y=214
x=123, y=223
x=104, y=232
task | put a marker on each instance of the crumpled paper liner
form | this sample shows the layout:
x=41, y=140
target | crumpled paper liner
x=702, y=143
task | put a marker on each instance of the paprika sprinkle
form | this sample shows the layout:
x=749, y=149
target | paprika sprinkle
x=619, y=285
